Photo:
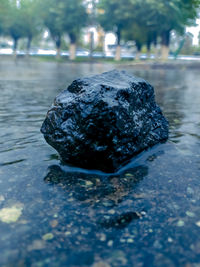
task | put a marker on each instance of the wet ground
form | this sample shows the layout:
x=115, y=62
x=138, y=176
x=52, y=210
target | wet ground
x=148, y=214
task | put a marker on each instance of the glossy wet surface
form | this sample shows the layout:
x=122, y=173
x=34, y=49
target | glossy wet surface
x=54, y=215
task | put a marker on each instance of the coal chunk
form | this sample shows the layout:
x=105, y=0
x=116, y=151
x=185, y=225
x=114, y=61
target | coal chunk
x=101, y=122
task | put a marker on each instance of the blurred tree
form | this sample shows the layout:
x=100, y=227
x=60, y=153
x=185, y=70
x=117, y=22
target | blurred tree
x=4, y=7
x=31, y=19
x=64, y=16
x=140, y=20
x=137, y=33
x=147, y=19
x=113, y=15
x=139, y=27
x=165, y=16
x=51, y=14
x=74, y=18
x=15, y=26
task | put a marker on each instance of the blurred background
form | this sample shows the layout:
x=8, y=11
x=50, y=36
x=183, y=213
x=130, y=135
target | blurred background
x=52, y=215
x=111, y=29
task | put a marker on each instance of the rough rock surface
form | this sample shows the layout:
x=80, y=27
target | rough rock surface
x=101, y=122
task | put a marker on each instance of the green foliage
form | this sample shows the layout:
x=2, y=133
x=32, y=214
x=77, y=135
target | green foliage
x=32, y=22
x=15, y=24
x=50, y=12
x=114, y=15
x=144, y=20
x=136, y=33
x=19, y=21
x=74, y=18
x=64, y=16
x=165, y=16
x=139, y=20
x=172, y=14
x=4, y=7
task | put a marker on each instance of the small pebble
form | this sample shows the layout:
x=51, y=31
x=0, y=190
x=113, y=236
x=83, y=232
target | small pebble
x=190, y=191
x=180, y=223
x=36, y=245
x=190, y=214
x=88, y=183
x=157, y=244
x=53, y=223
x=198, y=223
x=129, y=175
x=111, y=211
x=48, y=236
x=130, y=240
x=110, y=243
x=67, y=233
x=102, y=237
x=107, y=204
x=176, y=206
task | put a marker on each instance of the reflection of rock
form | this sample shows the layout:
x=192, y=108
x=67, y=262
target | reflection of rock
x=110, y=199
x=89, y=187
x=103, y=121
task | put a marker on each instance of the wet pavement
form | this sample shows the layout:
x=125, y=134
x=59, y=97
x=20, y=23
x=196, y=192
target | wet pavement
x=147, y=214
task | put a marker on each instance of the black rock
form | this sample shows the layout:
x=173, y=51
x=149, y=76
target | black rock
x=101, y=122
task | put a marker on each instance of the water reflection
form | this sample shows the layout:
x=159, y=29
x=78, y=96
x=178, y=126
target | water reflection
x=104, y=194
x=95, y=189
